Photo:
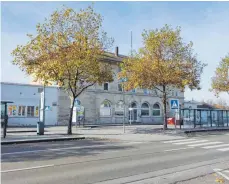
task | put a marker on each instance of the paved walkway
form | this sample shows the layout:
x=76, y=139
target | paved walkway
x=132, y=133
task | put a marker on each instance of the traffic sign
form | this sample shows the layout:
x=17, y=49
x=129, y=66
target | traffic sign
x=47, y=108
x=174, y=104
x=123, y=80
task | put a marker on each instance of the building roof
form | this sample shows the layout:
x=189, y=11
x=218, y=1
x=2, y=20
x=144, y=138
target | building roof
x=192, y=102
x=26, y=84
x=112, y=57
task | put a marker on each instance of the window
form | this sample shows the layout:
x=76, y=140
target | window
x=21, y=110
x=105, y=108
x=156, y=110
x=120, y=87
x=119, y=108
x=146, y=91
x=105, y=86
x=12, y=110
x=176, y=93
x=30, y=111
x=145, y=109
x=133, y=90
x=37, y=111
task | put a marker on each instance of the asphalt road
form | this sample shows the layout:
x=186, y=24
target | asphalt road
x=203, y=159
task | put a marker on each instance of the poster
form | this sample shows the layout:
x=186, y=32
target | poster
x=12, y=110
x=37, y=111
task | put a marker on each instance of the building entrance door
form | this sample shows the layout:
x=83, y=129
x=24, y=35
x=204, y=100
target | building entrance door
x=133, y=113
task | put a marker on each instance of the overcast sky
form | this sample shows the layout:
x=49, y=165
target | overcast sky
x=204, y=23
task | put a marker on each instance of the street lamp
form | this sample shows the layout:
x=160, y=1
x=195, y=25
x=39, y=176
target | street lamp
x=123, y=92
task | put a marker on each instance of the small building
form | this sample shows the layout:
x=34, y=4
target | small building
x=24, y=111
x=191, y=104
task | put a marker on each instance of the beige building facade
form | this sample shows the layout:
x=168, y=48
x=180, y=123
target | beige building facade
x=108, y=104
x=103, y=104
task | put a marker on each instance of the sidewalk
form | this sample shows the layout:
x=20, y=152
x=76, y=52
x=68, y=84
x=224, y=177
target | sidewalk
x=29, y=135
x=133, y=133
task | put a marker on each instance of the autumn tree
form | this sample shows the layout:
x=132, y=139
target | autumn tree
x=220, y=82
x=163, y=63
x=68, y=49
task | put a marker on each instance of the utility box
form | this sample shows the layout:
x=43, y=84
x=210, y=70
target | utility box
x=40, y=128
x=171, y=121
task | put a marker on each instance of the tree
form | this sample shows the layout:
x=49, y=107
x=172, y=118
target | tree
x=69, y=49
x=220, y=103
x=163, y=63
x=220, y=82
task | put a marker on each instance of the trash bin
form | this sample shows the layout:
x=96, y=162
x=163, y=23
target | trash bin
x=40, y=128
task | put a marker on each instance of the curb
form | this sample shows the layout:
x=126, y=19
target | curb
x=21, y=131
x=206, y=130
x=41, y=140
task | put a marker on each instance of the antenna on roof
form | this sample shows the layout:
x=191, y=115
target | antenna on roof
x=131, y=47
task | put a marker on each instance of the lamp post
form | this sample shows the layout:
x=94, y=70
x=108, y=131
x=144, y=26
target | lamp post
x=124, y=106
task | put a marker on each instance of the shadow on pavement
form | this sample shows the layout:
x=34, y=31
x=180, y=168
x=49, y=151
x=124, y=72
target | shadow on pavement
x=56, y=150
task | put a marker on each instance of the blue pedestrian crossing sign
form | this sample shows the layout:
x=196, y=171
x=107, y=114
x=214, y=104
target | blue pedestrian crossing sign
x=174, y=104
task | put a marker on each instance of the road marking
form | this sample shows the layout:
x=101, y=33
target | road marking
x=224, y=149
x=220, y=173
x=180, y=140
x=190, y=142
x=75, y=147
x=28, y=168
x=207, y=143
x=177, y=149
x=215, y=146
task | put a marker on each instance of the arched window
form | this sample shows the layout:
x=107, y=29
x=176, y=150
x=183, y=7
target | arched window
x=105, y=108
x=145, y=109
x=119, y=108
x=133, y=105
x=156, y=110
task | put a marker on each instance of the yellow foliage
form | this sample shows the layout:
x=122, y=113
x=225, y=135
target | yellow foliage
x=67, y=49
x=163, y=62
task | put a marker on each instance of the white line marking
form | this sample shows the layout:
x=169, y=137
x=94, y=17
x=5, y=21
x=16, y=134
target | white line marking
x=207, y=143
x=215, y=146
x=180, y=140
x=59, y=149
x=28, y=168
x=224, y=149
x=218, y=172
x=190, y=142
x=226, y=171
x=176, y=149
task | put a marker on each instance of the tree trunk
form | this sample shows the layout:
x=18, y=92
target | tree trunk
x=70, y=118
x=164, y=100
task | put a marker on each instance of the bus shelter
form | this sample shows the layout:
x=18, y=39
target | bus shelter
x=193, y=118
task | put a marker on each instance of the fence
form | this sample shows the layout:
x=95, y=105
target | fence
x=193, y=118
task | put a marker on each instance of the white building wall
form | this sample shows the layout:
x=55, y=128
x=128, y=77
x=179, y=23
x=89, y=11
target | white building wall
x=28, y=95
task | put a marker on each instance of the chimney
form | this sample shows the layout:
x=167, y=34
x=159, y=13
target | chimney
x=116, y=51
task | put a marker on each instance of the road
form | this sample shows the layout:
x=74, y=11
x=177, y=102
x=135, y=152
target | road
x=203, y=159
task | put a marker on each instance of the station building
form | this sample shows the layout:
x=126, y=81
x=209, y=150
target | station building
x=103, y=104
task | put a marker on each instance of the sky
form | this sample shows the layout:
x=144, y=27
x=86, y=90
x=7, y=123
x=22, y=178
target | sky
x=204, y=23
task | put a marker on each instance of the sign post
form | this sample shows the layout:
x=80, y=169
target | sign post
x=124, y=106
x=41, y=123
x=174, y=104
